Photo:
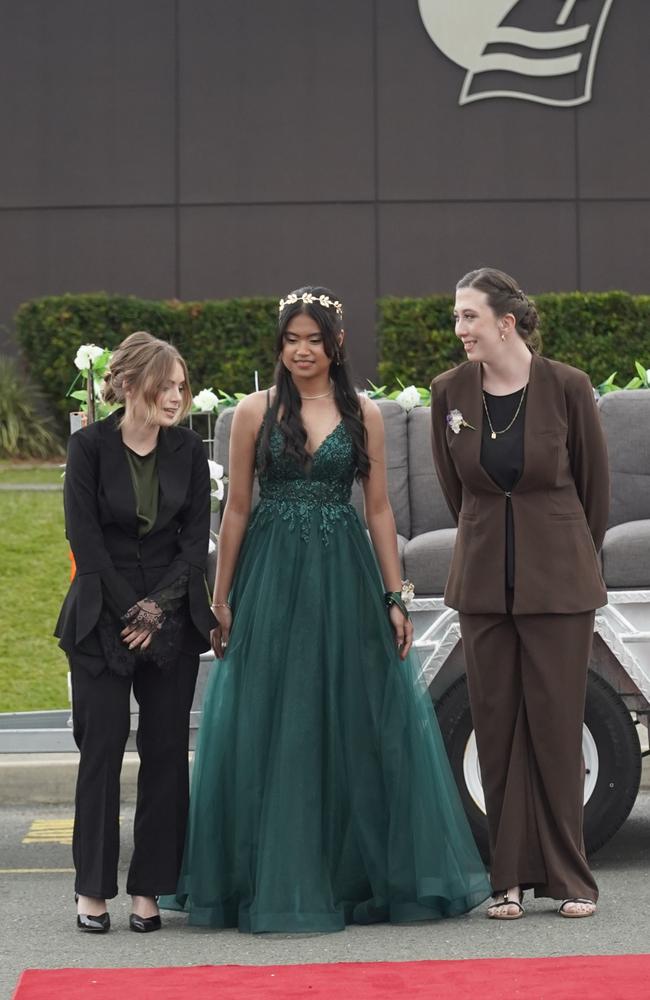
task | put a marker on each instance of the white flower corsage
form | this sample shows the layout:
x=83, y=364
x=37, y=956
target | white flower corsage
x=456, y=420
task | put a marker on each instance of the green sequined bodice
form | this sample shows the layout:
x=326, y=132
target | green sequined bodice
x=318, y=496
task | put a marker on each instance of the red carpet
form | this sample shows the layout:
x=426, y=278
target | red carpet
x=620, y=977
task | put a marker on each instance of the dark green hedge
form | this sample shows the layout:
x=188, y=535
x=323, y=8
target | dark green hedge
x=223, y=342
x=598, y=332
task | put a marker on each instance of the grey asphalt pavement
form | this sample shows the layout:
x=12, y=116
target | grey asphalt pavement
x=38, y=923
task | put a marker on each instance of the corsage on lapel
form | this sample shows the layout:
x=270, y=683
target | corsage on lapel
x=456, y=420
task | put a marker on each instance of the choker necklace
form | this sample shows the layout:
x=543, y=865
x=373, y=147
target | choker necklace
x=493, y=433
x=321, y=395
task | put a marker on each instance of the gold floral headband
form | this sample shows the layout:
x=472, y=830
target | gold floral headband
x=308, y=298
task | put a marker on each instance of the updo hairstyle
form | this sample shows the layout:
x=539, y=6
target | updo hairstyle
x=505, y=296
x=143, y=363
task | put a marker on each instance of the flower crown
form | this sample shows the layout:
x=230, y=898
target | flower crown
x=308, y=298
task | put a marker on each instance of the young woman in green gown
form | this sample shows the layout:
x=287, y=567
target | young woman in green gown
x=321, y=793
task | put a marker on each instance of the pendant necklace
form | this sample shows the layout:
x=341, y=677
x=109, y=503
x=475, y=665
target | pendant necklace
x=493, y=433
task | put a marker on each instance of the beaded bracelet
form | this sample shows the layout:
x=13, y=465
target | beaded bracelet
x=401, y=597
x=395, y=597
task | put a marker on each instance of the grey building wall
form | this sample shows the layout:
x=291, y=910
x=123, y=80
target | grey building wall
x=211, y=148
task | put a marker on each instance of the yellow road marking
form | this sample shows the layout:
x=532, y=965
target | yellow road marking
x=35, y=871
x=49, y=831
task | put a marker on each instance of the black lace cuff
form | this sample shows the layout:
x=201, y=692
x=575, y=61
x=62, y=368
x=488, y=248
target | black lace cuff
x=171, y=597
x=146, y=614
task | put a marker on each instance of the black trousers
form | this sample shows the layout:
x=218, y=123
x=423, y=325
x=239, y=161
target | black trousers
x=527, y=677
x=101, y=720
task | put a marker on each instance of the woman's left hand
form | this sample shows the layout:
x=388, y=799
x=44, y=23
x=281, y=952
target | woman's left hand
x=403, y=629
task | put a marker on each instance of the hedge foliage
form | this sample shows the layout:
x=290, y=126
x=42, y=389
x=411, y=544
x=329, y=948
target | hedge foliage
x=598, y=332
x=223, y=342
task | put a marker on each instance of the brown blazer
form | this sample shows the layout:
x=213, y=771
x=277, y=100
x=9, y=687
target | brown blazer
x=560, y=504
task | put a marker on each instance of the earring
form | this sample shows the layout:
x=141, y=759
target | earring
x=503, y=337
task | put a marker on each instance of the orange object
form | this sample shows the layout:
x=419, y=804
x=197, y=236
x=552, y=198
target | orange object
x=73, y=566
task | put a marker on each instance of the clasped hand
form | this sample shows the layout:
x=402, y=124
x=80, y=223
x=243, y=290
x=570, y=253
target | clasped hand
x=144, y=619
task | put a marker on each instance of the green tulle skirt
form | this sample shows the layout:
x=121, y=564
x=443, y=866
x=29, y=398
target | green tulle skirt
x=321, y=791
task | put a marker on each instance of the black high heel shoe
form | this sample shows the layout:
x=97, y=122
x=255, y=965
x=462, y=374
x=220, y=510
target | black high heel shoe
x=93, y=924
x=143, y=925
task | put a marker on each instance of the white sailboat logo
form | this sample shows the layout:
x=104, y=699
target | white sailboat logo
x=505, y=58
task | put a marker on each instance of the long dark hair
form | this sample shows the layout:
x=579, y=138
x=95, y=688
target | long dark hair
x=285, y=411
x=505, y=296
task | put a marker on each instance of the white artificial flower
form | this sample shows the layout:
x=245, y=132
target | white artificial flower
x=216, y=479
x=408, y=398
x=647, y=376
x=456, y=420
x=206, y=401
x=86, y=355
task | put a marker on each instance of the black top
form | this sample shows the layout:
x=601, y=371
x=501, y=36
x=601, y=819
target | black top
x=503, y=458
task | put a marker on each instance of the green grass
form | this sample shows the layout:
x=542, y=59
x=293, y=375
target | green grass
x=23, y=473
x=34, y=572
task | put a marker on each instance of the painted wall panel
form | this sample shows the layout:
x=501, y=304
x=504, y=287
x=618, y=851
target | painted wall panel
x=276, y=101
x=533, y=241
x=51, y=252
x=87, y=111
x=283, y=247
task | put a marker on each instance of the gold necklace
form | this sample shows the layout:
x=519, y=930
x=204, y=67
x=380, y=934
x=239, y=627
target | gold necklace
x=494, y=433
x=321, y=395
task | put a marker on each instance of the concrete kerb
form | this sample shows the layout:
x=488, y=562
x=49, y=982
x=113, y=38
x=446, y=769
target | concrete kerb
x=49, y=779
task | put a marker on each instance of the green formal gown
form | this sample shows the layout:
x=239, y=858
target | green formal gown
x=321, y=792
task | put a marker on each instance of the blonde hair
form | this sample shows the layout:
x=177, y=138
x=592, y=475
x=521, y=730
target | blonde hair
x=143, y=363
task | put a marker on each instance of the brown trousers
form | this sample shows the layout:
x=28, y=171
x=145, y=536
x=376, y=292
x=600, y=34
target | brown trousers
x=527, y=677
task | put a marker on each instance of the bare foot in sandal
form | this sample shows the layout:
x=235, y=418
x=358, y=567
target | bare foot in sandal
x=577, y=908
x=507, y=905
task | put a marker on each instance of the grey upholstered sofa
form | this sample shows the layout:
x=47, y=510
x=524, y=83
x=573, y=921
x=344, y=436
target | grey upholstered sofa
x=626, y=549
x=425, y=527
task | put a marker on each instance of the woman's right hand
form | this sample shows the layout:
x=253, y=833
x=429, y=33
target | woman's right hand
x=220, y=636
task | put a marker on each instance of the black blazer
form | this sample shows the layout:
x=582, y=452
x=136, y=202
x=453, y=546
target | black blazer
x=114, y=566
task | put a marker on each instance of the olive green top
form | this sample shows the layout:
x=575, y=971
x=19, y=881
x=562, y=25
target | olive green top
x=144, y=476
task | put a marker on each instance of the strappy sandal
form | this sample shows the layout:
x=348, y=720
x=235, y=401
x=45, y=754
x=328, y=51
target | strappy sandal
x=576, y=899
x=507, y=902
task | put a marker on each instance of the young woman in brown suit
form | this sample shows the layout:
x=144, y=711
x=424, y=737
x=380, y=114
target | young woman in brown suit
x=522, y=461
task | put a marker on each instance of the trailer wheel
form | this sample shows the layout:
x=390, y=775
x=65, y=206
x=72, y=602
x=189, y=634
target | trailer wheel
x=610, y=747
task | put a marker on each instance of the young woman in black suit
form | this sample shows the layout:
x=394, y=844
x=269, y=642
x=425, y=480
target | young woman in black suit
x=137, y=616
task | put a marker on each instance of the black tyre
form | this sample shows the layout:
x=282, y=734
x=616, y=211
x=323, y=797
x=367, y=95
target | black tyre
x=619, y=763
x=610, y=746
